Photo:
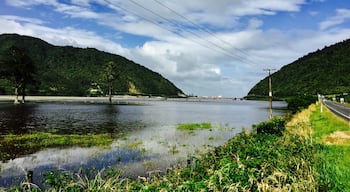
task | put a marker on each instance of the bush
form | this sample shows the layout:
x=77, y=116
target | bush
x=273, y=127
x=298, y=103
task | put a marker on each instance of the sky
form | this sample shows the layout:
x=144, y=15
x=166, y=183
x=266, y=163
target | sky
x=205, y=47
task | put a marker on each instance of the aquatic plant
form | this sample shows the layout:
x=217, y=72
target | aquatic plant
x=134, y=144
x=31, y=143
x=194, y=126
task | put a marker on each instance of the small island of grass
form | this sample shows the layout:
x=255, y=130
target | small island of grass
x=194, y=126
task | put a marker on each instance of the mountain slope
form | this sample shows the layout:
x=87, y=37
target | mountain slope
x=325, y=71
x=65, y=70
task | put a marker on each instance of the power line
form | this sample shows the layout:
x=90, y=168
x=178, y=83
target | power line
x=218, y=48
x=205, y=30
x=157, y=24
x=189, y=31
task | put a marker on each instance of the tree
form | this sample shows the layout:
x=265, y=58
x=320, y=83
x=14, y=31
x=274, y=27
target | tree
x=110, y=73
x=17, y=67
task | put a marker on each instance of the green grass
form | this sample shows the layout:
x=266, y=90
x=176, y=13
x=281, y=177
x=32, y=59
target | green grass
x=325, y=123
x=333, y=165
x=194, y=126
x=334, y=168
x=31, y=143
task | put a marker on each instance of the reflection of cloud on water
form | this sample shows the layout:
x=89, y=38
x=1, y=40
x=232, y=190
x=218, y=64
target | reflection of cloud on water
x=50, y=157
x=158, y=139
x=172, y=146
x=152, y=149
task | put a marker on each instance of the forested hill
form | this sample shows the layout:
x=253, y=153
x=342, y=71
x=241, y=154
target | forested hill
x=325, y=71
x=65, y=70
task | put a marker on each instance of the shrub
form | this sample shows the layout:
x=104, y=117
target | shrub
x=273, y=127
x=298, y=103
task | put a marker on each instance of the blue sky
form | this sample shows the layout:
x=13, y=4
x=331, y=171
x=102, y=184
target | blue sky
x=207, y=48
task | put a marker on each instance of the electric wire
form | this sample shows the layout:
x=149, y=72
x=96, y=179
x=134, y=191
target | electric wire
x=206, y=31
x=220, y=48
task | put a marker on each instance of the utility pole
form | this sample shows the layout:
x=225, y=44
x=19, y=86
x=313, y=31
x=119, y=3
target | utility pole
x=270, y=90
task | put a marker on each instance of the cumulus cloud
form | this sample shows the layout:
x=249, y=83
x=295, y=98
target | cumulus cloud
x=205, y=48
x=58, y=36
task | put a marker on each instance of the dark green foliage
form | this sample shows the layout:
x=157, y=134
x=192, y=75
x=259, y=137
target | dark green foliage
x=325, y=71
x=71, y=71
x=274, y=127
x=58, y=179
x=17, y=68
x=298, y=103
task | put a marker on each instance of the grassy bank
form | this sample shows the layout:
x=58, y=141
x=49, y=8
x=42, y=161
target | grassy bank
x=297, y=156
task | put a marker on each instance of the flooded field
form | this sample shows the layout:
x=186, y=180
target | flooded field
x=147, y=139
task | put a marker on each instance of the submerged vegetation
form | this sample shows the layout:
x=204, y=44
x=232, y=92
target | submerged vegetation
x=298, y=155
x=30, y=143
x=194, y=126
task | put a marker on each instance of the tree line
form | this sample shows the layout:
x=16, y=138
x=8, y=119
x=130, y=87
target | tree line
x=18, y=68
x=71, y=71
x=324, y=71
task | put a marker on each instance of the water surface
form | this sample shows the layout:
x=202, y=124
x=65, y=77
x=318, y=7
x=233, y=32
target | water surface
x=152, y=143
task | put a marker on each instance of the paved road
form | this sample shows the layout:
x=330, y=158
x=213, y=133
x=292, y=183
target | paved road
x=339, y=109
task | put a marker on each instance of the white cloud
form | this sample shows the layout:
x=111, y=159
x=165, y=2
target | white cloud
x=341, y=16
x=60, y=36
x=85, y=3
x=225, y=62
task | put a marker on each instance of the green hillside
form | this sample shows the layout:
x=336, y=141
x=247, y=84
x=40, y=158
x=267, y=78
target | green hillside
x=66, y=70
x=325, y=71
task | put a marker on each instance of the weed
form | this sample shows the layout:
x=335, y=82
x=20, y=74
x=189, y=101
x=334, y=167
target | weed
x=174, y=149
x=275, y=126
x=134, y=145
x=194, y=126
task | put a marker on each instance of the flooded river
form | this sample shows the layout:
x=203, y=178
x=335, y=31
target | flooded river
x=151, y=143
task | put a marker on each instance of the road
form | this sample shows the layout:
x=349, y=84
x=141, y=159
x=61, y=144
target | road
x=339, y=109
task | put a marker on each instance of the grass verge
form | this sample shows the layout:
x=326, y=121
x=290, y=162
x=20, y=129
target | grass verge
x=333, y=166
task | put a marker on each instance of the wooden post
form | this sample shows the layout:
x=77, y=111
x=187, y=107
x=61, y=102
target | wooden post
x=29, y=176
x=270, y=91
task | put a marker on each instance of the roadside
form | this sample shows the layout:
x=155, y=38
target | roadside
x=332, y=134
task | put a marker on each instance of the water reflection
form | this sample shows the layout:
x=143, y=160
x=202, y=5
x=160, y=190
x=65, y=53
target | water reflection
x=152, y=140
x=58, y=118
x=71, y=159
x=17, y=119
